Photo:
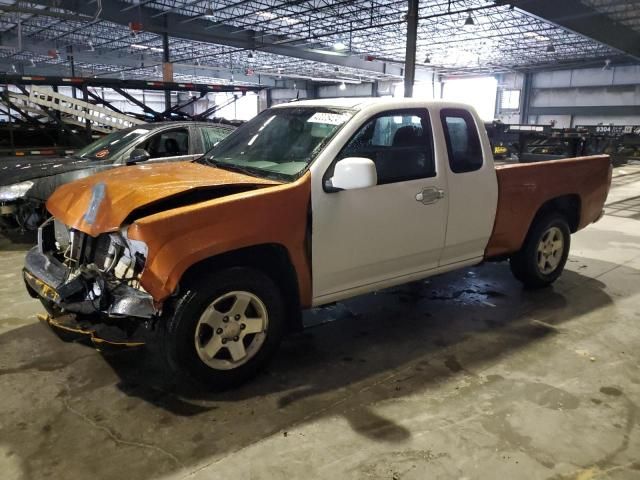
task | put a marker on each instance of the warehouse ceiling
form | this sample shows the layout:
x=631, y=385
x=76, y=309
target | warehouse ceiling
x=259, y=41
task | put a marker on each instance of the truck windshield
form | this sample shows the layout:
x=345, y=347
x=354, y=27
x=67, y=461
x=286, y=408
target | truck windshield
x=107, y=147
x=280, y=142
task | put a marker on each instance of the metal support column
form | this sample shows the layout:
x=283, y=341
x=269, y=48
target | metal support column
x=72, y=66
x=167, y=71
x=87, y=125
x=525, y=98
x=11, y=139
x=410, y=53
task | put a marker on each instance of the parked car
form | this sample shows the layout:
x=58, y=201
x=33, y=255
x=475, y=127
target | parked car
x=307, y=204
x=26, y=184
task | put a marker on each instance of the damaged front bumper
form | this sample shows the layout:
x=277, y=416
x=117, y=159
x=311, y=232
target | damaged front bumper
x=48, y=278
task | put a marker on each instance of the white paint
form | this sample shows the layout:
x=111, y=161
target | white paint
x=380, y=236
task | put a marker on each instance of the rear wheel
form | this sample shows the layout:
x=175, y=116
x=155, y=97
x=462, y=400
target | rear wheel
x=544, y=253
x=225, y=328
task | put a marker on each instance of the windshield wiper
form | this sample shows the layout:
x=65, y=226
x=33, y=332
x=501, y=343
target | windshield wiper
x=235, y=168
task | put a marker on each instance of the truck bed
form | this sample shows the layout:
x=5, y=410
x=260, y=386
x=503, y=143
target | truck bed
x=578, y=186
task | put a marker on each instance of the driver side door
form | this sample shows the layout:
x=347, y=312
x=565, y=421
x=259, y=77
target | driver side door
x=371, y=238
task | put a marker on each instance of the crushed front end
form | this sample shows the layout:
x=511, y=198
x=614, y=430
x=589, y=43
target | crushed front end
x=91, y=284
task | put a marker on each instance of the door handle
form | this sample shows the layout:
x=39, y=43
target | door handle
x=429, y=195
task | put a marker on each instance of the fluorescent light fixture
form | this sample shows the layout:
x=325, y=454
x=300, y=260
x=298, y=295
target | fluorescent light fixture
x=343, y=86
x=273, y=16
x=537, y=36
x=146, y=47
x=326, y=52
x=339, y=46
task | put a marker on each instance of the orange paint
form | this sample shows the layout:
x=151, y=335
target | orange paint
x=133, y=187
x=523, y=188
x=273, y=213
x=182, y=237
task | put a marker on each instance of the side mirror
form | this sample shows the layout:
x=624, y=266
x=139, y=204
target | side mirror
x=138, y=155
x=352, y=173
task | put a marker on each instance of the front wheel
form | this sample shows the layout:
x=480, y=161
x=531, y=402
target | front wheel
x=544, y=253
x=225, y=327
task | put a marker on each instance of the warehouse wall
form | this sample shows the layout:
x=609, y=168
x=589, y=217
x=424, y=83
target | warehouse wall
x=587, y=96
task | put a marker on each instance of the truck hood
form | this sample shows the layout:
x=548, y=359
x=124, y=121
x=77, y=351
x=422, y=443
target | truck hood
x=16, y=170
x=103, y=202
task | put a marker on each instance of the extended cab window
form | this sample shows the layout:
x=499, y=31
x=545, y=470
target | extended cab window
x=170, y=143
x=463, y=143
x=399, y=143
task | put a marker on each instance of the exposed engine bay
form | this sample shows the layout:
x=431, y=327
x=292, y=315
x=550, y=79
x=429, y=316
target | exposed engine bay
x=86, y=275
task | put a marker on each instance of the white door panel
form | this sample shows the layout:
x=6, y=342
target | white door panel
x=473, y=194
x=369, y=235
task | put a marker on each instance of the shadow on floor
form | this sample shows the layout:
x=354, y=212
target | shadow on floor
x=370, y=349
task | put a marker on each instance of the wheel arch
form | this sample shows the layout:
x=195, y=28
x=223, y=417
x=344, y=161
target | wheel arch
x=272, y=259
x=569, y=206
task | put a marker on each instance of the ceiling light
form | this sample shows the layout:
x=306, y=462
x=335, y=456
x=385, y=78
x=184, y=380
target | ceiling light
x=469, y=22
x=13, y=68
x=343, y=86
x=339, y=46
x=427, y=59
x=33, y=63
x=250, y=55
x=91, y=49
x=607, y=64
x=551, y=48
x=209, y=14
x=146, y=47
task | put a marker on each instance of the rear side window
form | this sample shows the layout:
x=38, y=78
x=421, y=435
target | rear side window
x=463, y=143
x=212, y=135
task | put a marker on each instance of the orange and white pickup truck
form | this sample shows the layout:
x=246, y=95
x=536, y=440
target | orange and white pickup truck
x=307, y=204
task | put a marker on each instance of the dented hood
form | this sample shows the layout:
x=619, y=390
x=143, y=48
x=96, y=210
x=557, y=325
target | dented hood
x=102, y=202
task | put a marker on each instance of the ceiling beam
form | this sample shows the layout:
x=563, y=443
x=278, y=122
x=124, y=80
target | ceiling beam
x=576, y=16
x=127, y=62
x=200, y=29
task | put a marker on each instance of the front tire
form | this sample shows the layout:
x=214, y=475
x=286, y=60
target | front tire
x=544, y=254
x=225, y=327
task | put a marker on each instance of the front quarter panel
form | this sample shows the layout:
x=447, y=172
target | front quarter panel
x=182, y=237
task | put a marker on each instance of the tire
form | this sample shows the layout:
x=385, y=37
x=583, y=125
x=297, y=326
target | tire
x=209, y=317
x=538, y=269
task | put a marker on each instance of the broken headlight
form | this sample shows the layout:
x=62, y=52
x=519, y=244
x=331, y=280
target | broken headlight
x=117, y=255
x=13, y=192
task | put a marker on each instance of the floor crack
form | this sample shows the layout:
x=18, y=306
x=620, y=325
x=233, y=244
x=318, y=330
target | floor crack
x=116, y=437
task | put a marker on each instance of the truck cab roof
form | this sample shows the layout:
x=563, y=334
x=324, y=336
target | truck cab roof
x=362, y=103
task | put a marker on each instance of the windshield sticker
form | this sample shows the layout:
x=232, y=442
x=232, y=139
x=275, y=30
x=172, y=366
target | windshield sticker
x=102, y=153
x=329, y=118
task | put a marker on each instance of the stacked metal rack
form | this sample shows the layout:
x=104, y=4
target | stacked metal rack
x=530, y=143
x=41, y=121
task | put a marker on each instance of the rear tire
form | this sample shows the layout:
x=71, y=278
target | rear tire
x=225, y=327
x=544, y=254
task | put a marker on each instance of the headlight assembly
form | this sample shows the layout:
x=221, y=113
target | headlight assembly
x=15, y=191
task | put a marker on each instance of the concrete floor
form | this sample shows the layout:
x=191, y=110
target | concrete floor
x=463, y=376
